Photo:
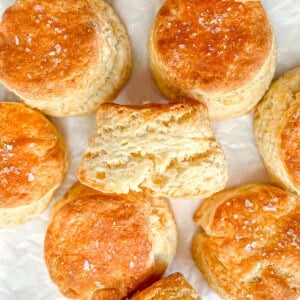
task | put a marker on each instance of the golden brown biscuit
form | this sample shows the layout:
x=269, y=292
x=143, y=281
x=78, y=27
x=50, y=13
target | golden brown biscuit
x=220, y=52
x=174, y=287
x=67, y=57
x=101, y=246
x=250, y=247
x=32, y=163
x=167, y=149
x=277, y=130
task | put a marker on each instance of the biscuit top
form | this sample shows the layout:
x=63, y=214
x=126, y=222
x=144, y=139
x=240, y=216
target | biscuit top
x=98, y=244
x=180, y=112
x=46, y=46
x=254, y=232
x=173, y=287
x=290, y=141
x=32, y=157
x=211, y=44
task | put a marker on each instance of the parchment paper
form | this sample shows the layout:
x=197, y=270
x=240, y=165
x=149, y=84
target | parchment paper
x=23, y=275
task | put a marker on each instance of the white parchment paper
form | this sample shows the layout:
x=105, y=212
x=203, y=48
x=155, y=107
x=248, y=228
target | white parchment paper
x=23, y=275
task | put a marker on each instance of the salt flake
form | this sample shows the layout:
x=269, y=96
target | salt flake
x=270, y=207
x=248, y=203
x=87, y=266
x=17, y=41
x=38, y=7
x=31, y=177
x=99, y=285
x=9, y=147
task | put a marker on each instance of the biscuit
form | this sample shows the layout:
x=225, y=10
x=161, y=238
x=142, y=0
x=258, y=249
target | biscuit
x=165, y=149
x=174, y=287
x=66, y=58
x=32, y=163
x=222, y=53
x=277, y=130
x=250, y=247
x=101, y=246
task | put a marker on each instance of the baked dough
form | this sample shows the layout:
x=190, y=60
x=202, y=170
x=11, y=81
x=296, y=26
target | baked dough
x=163, y=149
x=101, y=246
x=32, y=163
x=277, y=130
x=222, y=53
x=250, y=247
x=67, y=57
x=173, y=287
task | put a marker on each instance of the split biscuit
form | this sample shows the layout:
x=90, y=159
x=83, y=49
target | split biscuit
x=163, y=149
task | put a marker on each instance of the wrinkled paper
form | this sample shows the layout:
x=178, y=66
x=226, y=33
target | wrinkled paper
x=23, y=275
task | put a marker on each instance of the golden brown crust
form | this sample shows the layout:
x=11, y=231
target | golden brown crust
x=173, y=287
x=290, y=145
x=78, y=190
x=277, y=130
x=100, y=246
x=212, y=45
x=154, y=109
x=250, y=247
x=56, y=41
x=32, y=156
